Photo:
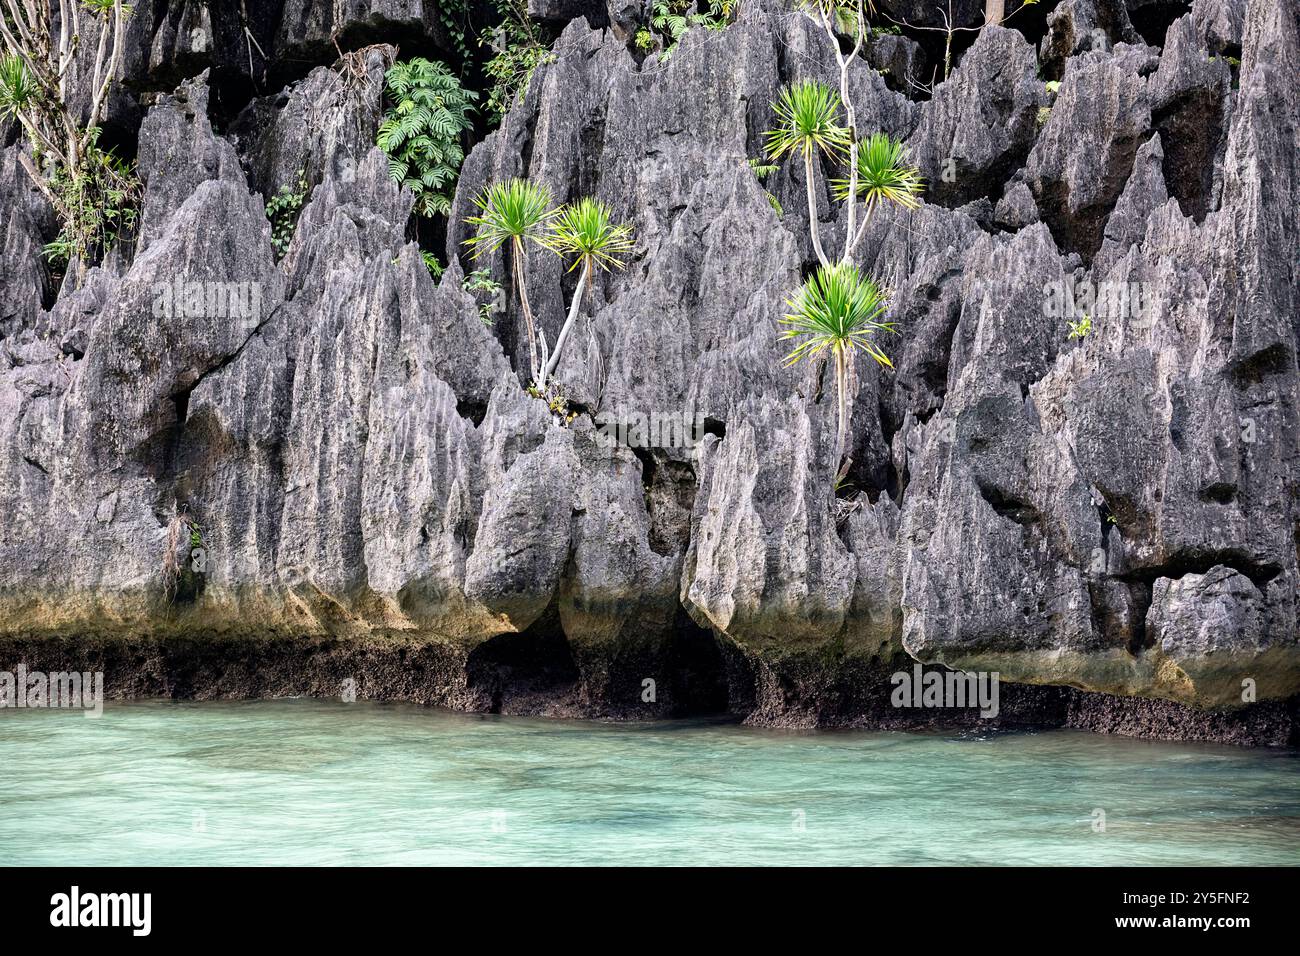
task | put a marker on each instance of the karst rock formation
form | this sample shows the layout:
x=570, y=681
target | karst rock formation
x=1110, y=522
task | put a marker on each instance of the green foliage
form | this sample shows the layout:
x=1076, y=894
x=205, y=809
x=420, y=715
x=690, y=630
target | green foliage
x=94, y=194
x=481, y=282
x=454, y=15
x=808, y=119
x=519, y=47
x=885, y=173
x=283, y=210
x=644, y=40
x=762, y=171
x=18, y=88
x=1080, y=329
x=95, y=205
x=842, y=14
x=433, y=265
x=556, y=401
x=422, y=133
x=513, y=211
x=584, y=231
x=839, y=309
x=672, y=18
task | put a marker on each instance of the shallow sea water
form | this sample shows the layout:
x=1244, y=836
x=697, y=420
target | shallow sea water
x=319, y=782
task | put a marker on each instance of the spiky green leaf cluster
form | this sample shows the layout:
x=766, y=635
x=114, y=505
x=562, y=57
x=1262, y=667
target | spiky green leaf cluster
x=808, y=120
x=885, y=173
x=512, y=211
x=18, y=87
x=839, y=309
x=423, y=131
x=585, y=231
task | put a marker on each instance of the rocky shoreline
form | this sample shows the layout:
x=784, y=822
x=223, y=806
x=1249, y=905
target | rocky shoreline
x=698, y=677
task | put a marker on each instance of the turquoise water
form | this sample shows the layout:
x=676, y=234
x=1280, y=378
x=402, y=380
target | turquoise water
x=312, y=782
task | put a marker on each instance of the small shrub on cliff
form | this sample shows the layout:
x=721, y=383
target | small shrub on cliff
x=516, y=213
x=838, y=310
x=184, y=558
x=513, y=214
x=283, y=210
x=480, y=283
x=672, y=18
x=422, y=132
x=433, y=265
x=808, y=123
x=96, y=205
x=94, y=194
x=519, y=46
x=586, y=232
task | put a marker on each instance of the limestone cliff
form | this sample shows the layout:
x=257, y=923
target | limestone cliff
x=1114, y=516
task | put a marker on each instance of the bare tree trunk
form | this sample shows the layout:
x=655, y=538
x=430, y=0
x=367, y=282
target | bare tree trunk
x=518, y=249
x=994, y=11
x=842, y=386
x=812, y=208
x=569, y=320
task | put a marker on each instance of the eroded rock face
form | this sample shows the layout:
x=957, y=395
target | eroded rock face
x=370, y=488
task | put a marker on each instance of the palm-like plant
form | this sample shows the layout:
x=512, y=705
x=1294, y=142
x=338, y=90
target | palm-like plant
x=17, y=86
x=885, y=174
x=808, y=122
x=514, y=212
x=585, y=231
x=839, y=309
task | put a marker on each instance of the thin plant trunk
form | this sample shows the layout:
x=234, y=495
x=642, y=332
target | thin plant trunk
x=842, y=386
x=850, y=115
x=570, y=319
x=862, y=229
x=523, y=303
x=812, y=208
x=26, y=32
x=994, y=11
x=947, y=43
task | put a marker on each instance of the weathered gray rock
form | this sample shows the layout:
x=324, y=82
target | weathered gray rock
x=373, y=489
x=1077, y=26
x=25, y=217
x=315, y=126
x=901, y=59
x=178, y=153
x=981, y=123
x=1214, y=627
x=1143, y=194
x=1016, y=209
x=1086, y=148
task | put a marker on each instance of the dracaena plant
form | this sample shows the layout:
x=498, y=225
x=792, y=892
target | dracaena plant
x=839, y=311
x=514, y=214
x=808, y=124
x=585, y=232
x=885, y=174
